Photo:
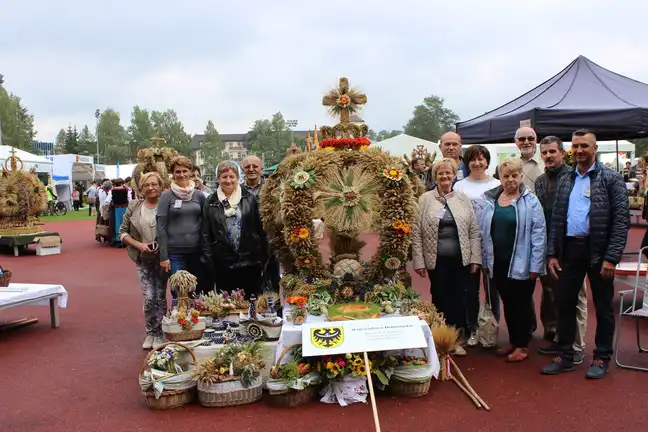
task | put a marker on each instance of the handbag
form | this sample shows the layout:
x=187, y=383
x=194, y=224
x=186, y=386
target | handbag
x=487, y=325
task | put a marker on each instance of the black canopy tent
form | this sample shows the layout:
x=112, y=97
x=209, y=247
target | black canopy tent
x=583, y=95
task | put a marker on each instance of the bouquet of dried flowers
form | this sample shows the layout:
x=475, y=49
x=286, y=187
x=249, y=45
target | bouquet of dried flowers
x=235, y=300
x=233, y=361
x=165, y=360
x=186, y=319
x=299, y=312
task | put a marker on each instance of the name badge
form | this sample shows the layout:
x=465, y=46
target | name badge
x=586, y=191
x=177, y=204
x=460, y=175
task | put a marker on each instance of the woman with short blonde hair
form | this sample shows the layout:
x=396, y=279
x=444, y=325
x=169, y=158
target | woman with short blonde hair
x=233, y=240
x=446, y=248
x=513, y=233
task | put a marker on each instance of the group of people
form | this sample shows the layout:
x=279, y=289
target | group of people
x=519, y=226
x=217, y=237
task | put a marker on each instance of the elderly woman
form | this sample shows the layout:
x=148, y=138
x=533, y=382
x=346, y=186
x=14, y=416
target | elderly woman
x=513, y=234
x=138, y=233
x=179, y=223
x=234, y=242
x=446, y=247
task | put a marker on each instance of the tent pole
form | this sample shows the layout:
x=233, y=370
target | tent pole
x=617, y=155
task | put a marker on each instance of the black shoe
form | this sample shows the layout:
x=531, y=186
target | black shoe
x=579, y=357
x=552, y=349
x=598, y=369
x=558, y=365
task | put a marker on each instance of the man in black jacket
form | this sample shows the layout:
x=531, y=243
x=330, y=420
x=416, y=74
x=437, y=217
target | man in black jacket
x=589, y=229
x=552, y=153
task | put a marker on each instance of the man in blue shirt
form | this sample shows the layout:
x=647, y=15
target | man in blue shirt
x=589, y=229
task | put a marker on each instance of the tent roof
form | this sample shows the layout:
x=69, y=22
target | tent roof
x=404, y=145
x=26, y=157
x=583, y=95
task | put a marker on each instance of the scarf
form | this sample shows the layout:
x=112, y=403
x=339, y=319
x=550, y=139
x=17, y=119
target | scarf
x=233, y=200
x=184, y=193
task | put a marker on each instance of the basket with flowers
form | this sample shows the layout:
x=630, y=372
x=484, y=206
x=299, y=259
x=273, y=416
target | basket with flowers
x=412, y=377
x=346, y=379
x=183, y=325
x=164, y=383
x=232, y=376
x=298, y=310
x=295, y=382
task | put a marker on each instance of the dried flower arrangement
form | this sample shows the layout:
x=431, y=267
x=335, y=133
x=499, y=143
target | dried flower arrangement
x=235, y=361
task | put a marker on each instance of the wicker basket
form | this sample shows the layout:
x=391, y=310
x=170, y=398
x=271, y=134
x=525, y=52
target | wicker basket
x=211, y=395
x=5, y=277
x=184, y=336
x=292, y=398
x=169, y=398
x=397, y=387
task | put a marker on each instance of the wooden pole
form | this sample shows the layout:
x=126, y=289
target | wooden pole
x=372, y=396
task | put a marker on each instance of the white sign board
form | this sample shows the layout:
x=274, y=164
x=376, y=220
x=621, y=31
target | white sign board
x=369, y=335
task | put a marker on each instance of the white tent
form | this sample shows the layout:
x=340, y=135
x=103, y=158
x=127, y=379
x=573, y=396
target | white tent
x=29, y=160
x=404, y=145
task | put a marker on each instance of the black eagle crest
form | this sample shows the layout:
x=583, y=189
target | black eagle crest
x=329, y=337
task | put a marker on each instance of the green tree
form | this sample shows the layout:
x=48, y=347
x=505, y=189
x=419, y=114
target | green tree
x=71, y=143
x=113, y=145
x=371, y=135
x=383, y=134
x=140, y=131
x=16, y=123
x=431, y=119
x=211, y=149
x=641, y=145
x=270, y=139
x=59, y=143
x=87, y=145
x=169, y=127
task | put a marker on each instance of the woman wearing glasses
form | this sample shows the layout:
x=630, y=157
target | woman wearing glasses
x=234, y=242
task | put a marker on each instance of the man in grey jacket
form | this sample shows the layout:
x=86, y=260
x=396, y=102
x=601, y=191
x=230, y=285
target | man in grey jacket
x=589, y=229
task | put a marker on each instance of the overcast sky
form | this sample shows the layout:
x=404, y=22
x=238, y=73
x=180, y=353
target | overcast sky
x=237, y=61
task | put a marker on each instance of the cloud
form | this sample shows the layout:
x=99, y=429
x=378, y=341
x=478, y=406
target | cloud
x=235, y=62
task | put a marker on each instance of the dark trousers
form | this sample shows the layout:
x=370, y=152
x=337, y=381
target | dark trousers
x=517, y=298
x=273, y=272
x=455, y=293
x=191, y=262
x=247, y=278
x=549, y=306
x=575, y=264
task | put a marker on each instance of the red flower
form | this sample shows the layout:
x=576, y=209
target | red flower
x=341, y=363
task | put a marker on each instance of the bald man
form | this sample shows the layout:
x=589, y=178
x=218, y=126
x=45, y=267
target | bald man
x=252, y=168
x=450, y=146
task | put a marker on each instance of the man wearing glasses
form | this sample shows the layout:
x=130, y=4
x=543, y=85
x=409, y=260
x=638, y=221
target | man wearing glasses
x=526, y=141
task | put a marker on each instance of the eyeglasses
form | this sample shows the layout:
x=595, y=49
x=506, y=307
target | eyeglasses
x=527, y=138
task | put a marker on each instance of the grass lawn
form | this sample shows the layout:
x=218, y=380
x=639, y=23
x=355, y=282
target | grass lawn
x=70, y=216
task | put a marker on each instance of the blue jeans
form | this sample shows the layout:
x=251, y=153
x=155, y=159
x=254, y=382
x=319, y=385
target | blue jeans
x=191, y=263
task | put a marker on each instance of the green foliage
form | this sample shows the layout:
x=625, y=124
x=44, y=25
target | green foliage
x=113, y=146
x=641, y=145
x=383, y=134
x=169, y=127
x=431, y=119
x=270, y=139
x=71, y=142
x=211, y=149
x=59, y=143
x=140, y=131
x=15, y=121
x=87, y=144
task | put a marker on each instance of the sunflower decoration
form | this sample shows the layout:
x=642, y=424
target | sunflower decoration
x=393, y=175
x=392, y=263
x=302, y=179
x=344, y=101
x=568, y=157
x=299, y=234
x=402, y=228
x=350, y=200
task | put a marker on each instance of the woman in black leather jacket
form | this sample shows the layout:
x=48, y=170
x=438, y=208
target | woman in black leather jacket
x=234, y=243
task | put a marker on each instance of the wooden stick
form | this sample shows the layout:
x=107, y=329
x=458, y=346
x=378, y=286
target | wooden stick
x=461, y=375
x=18, y=323
x=371, y=393
x=465, y=390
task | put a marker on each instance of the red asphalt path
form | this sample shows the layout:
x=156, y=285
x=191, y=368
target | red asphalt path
x=83, y=375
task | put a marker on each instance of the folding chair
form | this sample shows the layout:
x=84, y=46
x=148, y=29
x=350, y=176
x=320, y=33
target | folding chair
x=638, y=313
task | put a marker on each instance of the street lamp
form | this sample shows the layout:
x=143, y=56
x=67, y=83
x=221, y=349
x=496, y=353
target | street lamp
x=97, y=115
x=290, y=124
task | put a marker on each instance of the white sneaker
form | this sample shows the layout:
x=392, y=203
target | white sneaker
x=158, y=341
x=148, y=342
x=472, y=340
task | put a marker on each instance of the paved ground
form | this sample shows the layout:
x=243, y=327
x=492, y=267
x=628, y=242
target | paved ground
x=83, y=376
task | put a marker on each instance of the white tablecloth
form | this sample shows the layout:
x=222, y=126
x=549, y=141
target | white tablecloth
x=33, y=291
x=292, y=335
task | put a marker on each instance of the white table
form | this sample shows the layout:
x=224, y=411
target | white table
x=18, y=294
x=292, y=335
